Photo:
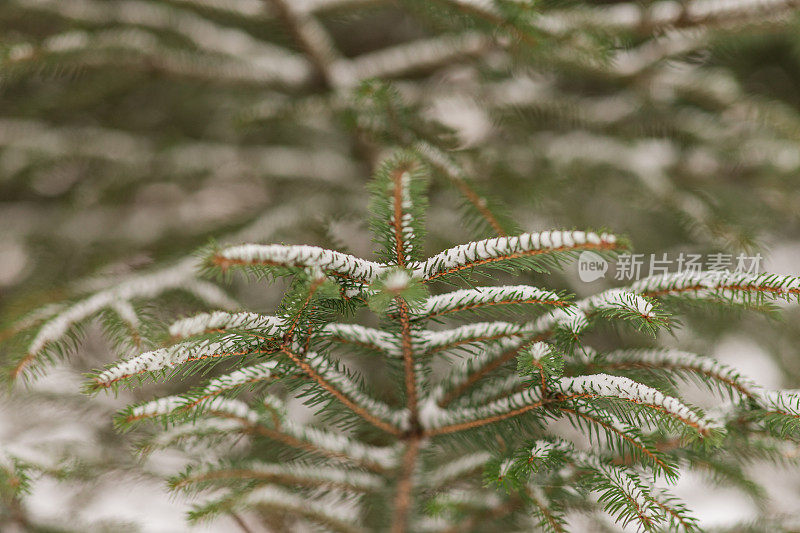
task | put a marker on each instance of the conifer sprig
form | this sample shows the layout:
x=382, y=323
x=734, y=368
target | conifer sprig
x=506, y=382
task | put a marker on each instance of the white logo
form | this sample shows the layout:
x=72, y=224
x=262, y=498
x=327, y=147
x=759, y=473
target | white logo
x=591, y=267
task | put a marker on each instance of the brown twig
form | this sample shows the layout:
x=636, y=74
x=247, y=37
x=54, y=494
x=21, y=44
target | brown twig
x=339, y=395
x=402, y=501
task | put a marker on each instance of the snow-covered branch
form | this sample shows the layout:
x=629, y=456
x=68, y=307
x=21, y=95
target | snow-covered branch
x=500, y=249
x=265, y=325
x=484, y=297
x=730, y=286
x=331, y=262
x=604, y=385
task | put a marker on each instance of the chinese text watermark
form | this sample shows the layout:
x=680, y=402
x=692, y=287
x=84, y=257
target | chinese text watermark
x=632, y=267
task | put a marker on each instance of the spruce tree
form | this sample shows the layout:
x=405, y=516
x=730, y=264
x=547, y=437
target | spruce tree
x=586, y=116
x=444, y=415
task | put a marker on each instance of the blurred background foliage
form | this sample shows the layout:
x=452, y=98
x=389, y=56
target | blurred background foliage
x=133, y=131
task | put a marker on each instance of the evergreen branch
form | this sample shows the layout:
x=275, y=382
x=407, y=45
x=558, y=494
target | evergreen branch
x=306, y=439
x=626, y=305
x=409, y=365
x=168, y=407
x=626, y=434
x=491, y=15
x=490, y=390
x=781, y=411
x=438, y=341
x=444, y=164
x=603, y=385
x=647, y=20
x=238, y=378
x=484, y=297
x=495, y=512
x=471, y=370
x=543, y=361
x=290, y=258
x=127, y=314
x=499, y=250
x=732, y=287
x=623, y=493
x=142, y=154
x=30, y=320
x=420, y=54
x=466, y=382
x=137, y=47
x=339, y=386
x=58, y=325
x=373, y=339
x=298, y=304
x=405, y=485
x=205, y=323
x=678, y=362
x=157, y=361
x=312, y=38
x=398, y=206
x=284, y=474
x=201, y=32
x=677, y=513
x=280, y=500
x=437, y=421
x=453, y=470
x=401, y=199
x=377, y=459
x=550, y=521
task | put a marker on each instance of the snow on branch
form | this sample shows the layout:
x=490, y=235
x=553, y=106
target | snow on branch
x=143, y=154
x=604, y=385
x=483, y=297
x=300, y=257
x=624, y=438
x=303, y=438
x=621, y=300
x=337, y=443
x=265, y=325
x=484, y=392
x=571, y=319
x=144, y=286
x=462, y=373
x=285, y=473
x=624, y=493
x=121, y=46
x=238, y=378
x=310, y=35
x=479, y=332
x=328, y=375
x=364, y=336
x=203, y=33
x=339, y=516
x=499, y=249
x=448, y=472
x=398, y=204
x=785, y=402
x=437, y=421
x=163, y=408
x=734, y=287
x=155, y=361
x=408, y=57
x=680, y=361
x=664, y=14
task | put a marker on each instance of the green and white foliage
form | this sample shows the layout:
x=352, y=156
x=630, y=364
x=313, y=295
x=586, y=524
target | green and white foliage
x=651, y=94
x=642, y=117
x=444, y=414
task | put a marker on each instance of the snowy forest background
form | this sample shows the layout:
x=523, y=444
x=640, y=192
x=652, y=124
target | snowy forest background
x=134, y=131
